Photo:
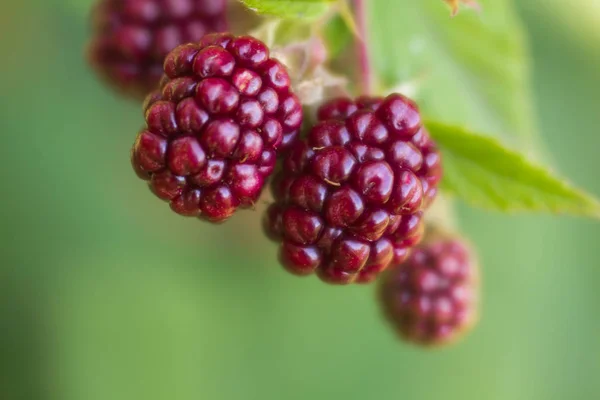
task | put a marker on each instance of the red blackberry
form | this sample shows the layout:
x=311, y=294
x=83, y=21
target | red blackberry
x=431, y=298
x=212, y=131
x=132, y=37
x=350, y=198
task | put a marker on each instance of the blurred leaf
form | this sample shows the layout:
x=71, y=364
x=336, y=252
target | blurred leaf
x=485, y=174
x=308, y=9
x=338, y=35
x=334, y=31
x=474, y=68
x=578, y=20
x=347, y=14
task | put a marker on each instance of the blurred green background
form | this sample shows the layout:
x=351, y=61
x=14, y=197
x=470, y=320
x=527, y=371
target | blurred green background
x=105, y=294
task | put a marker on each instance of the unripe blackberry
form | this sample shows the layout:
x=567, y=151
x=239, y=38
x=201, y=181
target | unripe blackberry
x=431, y=299
x=213, y=129
x=350, y=197
x=131, y=38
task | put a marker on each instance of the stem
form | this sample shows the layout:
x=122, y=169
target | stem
x=361, y=47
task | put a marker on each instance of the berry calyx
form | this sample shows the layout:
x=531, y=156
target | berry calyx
x=350, y=197
x=431, y=298
x=213, y=129
x=132, y=37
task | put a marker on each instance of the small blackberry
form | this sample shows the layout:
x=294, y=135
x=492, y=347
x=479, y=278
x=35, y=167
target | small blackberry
x=131, y=38
x=431, y=298
x=350, y=198
x=213, y=130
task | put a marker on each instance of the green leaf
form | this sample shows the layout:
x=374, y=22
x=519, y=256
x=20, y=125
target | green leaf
x=308, y=9
x=472, y=69
x=579, y=23
x=338, y=35
x=480, y=171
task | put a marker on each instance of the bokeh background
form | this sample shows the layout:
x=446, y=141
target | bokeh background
x=105, y=294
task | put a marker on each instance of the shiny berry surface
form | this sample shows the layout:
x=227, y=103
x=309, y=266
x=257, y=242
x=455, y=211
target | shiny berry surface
x=431, y=298
x=131, y=38
x=215, y=126
x=351, y=196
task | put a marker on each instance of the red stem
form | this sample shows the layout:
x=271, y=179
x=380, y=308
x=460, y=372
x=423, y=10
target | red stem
x=361, y=47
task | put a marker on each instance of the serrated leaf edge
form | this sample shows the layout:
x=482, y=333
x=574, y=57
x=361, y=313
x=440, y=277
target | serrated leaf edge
x=590, y=205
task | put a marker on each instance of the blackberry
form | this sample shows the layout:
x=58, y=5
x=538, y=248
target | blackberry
x=131, y=38
x=213, y=130
x=431, y=298
x=350, y=197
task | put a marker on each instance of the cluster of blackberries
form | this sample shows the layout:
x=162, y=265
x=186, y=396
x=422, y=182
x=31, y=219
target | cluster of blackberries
x=350, y=194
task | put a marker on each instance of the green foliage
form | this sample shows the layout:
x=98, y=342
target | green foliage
x=306, y=9
x=142, y=304
x=469, y=69
x=338, y=35
x=480, y=171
